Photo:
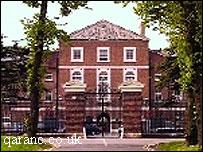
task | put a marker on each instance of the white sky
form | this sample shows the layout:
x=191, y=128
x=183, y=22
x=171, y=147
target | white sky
x=12, y=12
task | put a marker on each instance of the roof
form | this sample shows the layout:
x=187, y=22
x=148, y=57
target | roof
x=158, y=52
x=104, y=30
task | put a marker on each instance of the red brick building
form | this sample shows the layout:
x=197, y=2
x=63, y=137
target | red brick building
x=102, y=54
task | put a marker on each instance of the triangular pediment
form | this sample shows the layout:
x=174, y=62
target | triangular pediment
x=104, y=30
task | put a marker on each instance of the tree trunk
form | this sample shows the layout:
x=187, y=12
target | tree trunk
x=195, y=95
x=191, y=129
x=199, y=111
x=35, y=81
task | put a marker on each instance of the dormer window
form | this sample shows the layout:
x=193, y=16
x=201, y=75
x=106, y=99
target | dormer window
x=77, y=54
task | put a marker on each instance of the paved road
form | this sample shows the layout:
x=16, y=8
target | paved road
x=104, y=144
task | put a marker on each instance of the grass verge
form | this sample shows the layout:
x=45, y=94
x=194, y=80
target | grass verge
x=177, y=146
x=9, y=144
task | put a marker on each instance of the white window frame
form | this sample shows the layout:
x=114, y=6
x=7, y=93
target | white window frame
x=125, y=54
x=125, y=70
x=157, y=77
x=81, y=54
x=46, y=96
x=98, y=53
x=49, y=80
x=75, y=70
x=158, y=93
x=108, y=70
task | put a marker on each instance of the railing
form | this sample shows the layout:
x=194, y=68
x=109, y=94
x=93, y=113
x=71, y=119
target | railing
x=12, y=128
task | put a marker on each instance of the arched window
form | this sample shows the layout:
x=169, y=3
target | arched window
x=103, y=76
x=129, y=76
x=77, y=76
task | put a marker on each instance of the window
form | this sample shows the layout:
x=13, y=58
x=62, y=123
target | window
x=103, y=76
x=157, y=77
x=77, y=75
x=103, y=83
x=129, y=74
x=76, y=54
x=129, y=54
x=48, y=96
x=49, y=77
x=103, y=54
x=158, y=97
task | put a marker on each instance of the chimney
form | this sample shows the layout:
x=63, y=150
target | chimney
x=142, y=29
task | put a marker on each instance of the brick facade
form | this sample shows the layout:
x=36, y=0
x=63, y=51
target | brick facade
x=130, y=111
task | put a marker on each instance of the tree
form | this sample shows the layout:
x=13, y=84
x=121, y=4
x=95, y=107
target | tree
x=181, y=21
x=41, y=33
x=170, y=71
x=13, y=72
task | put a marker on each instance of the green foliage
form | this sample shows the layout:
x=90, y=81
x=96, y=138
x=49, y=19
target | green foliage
x=34, y=4
x=177, y=146
x=41, y=32
x=181, y=22
x=170, y=71
x=22, y=146
x=51, y=34
x=169, y=18
x=68, y=6
x=13, y=71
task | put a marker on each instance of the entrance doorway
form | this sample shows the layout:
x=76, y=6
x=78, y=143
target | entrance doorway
x=103, y=118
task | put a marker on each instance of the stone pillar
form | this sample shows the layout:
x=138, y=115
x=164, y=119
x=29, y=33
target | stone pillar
x=131, y=105
x=75, y=107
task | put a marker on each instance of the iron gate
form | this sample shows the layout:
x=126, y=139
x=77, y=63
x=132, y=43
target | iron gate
x=103, y=114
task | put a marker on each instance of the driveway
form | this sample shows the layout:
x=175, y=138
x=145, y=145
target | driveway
x=106, y=144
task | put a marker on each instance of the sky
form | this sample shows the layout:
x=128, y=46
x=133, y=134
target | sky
x=13, y=11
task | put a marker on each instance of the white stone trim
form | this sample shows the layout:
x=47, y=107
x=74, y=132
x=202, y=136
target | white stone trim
x=173, y=109
x=108, y=53
x=125, y=54
x=145, y=108
x=99, y=108
x=107, y=67
x=131, y=86
x=81, y=53
x=75, y=88
x=20, y=109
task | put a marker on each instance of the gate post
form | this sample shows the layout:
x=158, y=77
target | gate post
x=75, y=107
x=131, y=104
